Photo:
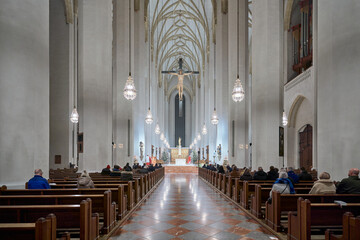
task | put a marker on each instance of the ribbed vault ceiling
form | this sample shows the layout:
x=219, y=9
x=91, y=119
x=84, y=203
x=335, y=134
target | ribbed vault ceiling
x=179, y=29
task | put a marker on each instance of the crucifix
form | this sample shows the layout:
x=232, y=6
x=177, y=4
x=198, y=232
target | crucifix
x=180, y=74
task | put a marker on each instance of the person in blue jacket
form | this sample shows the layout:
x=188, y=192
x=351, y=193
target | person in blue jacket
x=293, y=177
x=38, y=182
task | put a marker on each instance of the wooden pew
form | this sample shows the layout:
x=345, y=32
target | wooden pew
x=101, y=203
x=283, y=203
x=350, y=229
x=248, y=189
x=68, y=216
x=118, y=195
x=42, y=229
x=316, y=215
x=132, y=189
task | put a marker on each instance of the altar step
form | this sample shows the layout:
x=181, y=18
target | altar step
x=181, y=169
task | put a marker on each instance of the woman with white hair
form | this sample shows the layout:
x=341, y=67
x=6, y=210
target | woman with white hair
x=84, y=181
x=283, y=184
x=324, y=185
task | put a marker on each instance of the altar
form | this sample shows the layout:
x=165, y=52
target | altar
x=182, y=158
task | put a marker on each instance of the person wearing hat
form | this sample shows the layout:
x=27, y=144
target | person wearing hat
x=106, y=171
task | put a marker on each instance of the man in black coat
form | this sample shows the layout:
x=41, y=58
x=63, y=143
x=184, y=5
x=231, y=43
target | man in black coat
x=304, y=175
x=272, y=174
x=260, y=174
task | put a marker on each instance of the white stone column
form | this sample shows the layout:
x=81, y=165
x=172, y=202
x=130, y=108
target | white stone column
x=222, y=83
x=338, y=84
x=24, y=90
x=95, y=82
x=237, y=110
x=62, y=61
x=267, y=83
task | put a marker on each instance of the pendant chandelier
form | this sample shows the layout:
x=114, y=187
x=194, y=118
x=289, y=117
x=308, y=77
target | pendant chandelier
x=195, y=141
x=149, y=118
x=214, y=117
x=199, y=137
x=238, y=92
x=204, y=130
x=157, y=129
x=74, y=117
x=129, y=89
x=284, y=119
x=162, y=137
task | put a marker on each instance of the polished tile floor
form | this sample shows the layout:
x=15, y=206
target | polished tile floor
x=185, y=207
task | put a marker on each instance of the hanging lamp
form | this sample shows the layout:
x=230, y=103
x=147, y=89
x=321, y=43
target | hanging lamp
x=162, y=137
x=129, y=89
x=199, y=137
x=149, y=118
x=74, y=117
x=157, y=129
x=284, y=119
x=238, y=92
x=214, y=117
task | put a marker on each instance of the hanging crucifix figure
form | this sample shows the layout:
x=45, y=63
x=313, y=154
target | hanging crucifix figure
x=180, y=74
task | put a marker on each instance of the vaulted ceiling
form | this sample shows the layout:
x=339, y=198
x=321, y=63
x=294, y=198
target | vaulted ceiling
x=179, y=29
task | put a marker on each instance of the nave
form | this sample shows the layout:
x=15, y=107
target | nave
x=185, y=207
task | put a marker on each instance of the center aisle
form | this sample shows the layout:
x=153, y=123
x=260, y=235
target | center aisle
x=185, y=207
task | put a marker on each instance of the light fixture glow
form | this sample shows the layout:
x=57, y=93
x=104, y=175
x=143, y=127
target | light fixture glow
x=204, y=130
x=195, y=141
x=162, y=137
x=157, y=129
x=149, y=118
x=238, y=92
x=199, y=137
x=74, y=117
x=214, y=118
x=129, y=89
x=284, y=119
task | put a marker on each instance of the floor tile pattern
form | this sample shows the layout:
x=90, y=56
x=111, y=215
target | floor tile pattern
x=185, y=207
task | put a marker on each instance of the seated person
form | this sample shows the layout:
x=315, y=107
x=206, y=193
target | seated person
x=221, y=170
x=116, y=171
x=156, y=166
x=291, y=174
x=260, y=174
x=151, y=168
x=136, y=163
x=229, y=169
x=160, y=166
x=324, y=185
x=272, y=174
x=127, y=167
x=304, y=175
x=106, y=171
x=84, y=181
x=235, y=172
x=283, y=185
x=38, y=182
x=246, y=175
x=350, y=185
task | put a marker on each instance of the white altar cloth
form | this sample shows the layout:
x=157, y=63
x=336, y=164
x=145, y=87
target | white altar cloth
x=180, y=162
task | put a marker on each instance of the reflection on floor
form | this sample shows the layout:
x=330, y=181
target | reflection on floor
x=185, y=207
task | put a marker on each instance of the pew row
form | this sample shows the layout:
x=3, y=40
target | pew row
x=68, y=217
x=101, y=203
x=118, y=195
x=350, y=229
x=42, y=229
x=310, y=216
x=283, y=203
